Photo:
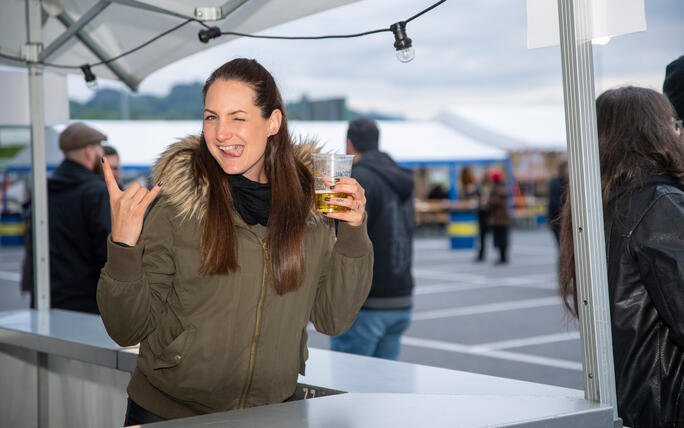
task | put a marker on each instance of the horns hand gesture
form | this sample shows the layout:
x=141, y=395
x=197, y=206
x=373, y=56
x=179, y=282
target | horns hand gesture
x=127, y=207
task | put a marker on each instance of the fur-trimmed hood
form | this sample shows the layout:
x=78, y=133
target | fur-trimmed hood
x=174, y=170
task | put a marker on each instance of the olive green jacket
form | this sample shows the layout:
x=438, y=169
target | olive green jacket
x=222, y=342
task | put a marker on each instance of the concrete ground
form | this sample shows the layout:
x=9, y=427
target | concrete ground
x=498, y=320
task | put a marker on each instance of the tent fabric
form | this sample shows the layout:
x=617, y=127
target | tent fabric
x=406, y=141
x=139, y=143
x=120, y=28
x=512, y=127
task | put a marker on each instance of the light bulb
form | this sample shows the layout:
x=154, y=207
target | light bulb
x=89, y=76
x=406, y=55
x=402, y=43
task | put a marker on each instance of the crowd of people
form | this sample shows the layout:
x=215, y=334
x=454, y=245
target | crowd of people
x=218, y=268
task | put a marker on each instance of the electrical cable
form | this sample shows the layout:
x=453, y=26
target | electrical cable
x=212, y=32
x=339, y=36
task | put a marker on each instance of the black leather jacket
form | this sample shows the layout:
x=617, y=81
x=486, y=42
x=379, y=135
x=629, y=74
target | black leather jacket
x=645, y=239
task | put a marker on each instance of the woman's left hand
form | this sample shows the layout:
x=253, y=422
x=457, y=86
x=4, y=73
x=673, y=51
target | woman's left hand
x=355, y=201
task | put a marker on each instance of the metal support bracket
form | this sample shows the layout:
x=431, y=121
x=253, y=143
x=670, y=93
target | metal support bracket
x=31, y=51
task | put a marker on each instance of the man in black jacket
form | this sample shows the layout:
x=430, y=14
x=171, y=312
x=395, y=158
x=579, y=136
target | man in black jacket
x=79, y=220
x=389, y=188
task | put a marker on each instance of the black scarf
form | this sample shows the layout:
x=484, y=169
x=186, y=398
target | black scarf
x=252, y=200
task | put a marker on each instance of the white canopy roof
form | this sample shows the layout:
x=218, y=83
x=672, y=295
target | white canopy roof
x=512, y=128
x=125, y=24
x=139, y=143
x=406, y=141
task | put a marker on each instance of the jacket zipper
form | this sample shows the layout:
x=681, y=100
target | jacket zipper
x=257, y=327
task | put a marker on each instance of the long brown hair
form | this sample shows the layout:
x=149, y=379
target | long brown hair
x=291, y=190
x=636, y=141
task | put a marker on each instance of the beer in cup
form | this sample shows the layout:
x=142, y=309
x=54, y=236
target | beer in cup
x=329, y=166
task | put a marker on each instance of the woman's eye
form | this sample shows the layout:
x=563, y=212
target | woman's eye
x=210, y=117
x=239, y=119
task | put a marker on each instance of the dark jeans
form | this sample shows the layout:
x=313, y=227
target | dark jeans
x=136, y=415
x=501, y=240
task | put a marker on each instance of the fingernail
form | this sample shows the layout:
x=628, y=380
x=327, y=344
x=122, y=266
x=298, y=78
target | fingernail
x=337, y=180
x=327, y=198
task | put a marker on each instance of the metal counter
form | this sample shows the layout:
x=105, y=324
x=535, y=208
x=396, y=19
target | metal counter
x=88, y=373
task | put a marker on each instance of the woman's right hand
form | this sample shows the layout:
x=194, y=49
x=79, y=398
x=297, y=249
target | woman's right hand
x=127, y=207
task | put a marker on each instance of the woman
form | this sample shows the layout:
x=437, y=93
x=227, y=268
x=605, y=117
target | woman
x=232, y=262
x=642, y=177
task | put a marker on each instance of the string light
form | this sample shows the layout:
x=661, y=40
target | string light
x=90, y=79
x=402, y=43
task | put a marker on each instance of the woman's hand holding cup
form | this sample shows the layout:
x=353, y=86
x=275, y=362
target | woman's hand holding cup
x=355, y=202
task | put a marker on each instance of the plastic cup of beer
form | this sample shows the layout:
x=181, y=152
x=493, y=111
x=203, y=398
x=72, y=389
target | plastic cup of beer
x=329, y=166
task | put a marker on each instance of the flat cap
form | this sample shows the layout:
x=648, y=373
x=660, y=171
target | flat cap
x=78, y=135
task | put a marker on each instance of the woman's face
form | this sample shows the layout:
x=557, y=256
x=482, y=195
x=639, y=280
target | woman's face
x=234, y=130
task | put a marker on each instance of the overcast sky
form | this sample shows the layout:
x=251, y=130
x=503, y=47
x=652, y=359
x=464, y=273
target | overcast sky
x=467, y=52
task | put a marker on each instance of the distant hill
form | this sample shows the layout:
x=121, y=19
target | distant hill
x=184, y=102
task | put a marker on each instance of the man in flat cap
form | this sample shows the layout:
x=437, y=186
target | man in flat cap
x=79, y=220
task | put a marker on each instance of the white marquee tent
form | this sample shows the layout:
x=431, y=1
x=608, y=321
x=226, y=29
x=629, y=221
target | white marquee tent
x=511, y=127
x=411, y=143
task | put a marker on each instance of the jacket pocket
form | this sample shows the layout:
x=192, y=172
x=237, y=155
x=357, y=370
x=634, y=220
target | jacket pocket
x=174, y=353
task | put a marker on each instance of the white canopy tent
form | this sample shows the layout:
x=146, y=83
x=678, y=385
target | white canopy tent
x=511, y=127
x=409, y=142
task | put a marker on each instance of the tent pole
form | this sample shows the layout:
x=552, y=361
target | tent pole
x=41, y=253
x=587, y=204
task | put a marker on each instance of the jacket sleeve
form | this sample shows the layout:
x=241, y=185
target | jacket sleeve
x=136, y=281
x=345, y=282
x=658, y=246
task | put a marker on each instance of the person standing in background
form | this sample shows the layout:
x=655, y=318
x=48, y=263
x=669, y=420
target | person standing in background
x=642, y=184
x=558, y=191
x=79, y=222
x=483, y=191
x=386, y=314
x=673, y=85
x=112, y=157
x=499, y=218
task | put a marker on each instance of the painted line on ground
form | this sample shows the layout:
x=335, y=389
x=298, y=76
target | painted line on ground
x=503, y=355
x=529, y=341
x=486, y=308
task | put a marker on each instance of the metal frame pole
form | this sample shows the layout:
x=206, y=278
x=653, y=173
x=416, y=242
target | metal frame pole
x=587, y=204
x=41, y=246
x=41, y=249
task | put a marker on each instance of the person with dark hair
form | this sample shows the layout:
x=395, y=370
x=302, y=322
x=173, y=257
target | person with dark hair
x=78, y=220
x=386, y=314
x=642, y=182
x=499, y=217
x=673, y=85
x=113, y=159
x=558, y=192
x=221, y=277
